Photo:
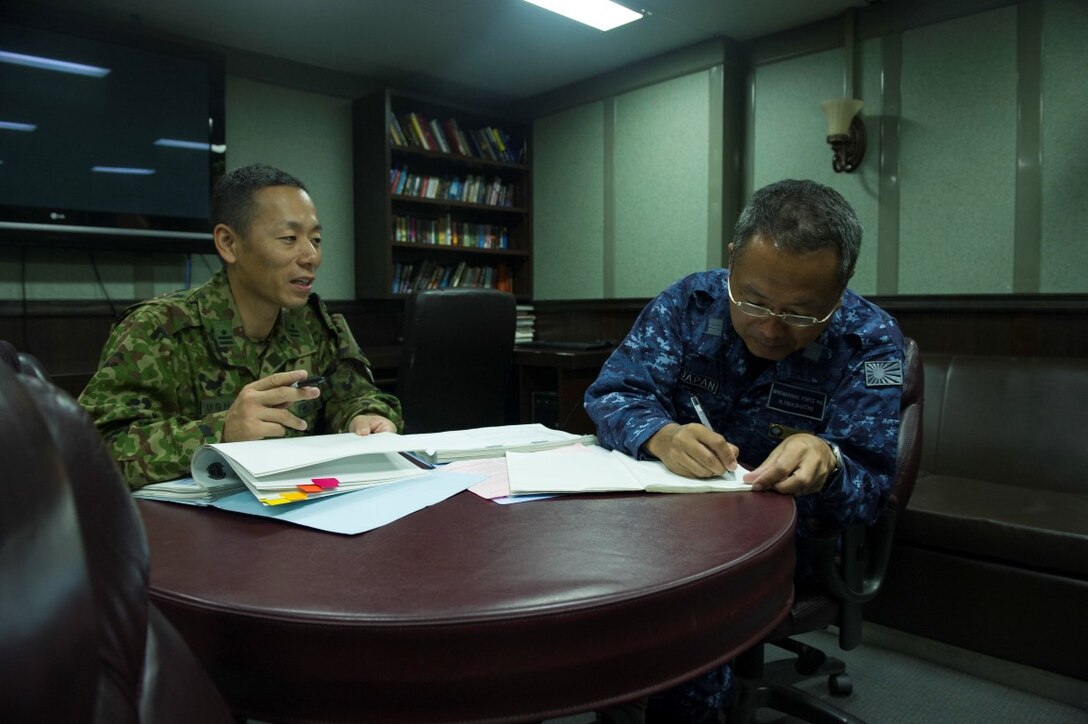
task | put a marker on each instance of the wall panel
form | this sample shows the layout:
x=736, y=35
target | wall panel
x=1064, y=253
x=958, y=155
x=662, y=204
x=568, y=204
x=309, y=136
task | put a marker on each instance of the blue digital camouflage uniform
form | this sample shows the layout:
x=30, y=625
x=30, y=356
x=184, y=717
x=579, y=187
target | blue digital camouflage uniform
x=844, y=387
x=173, y=365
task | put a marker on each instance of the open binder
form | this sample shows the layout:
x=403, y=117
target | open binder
x=287, y=470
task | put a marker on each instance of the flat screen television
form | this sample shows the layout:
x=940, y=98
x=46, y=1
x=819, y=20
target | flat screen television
x=107, y=141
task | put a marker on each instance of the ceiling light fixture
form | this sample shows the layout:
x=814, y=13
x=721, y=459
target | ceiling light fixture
x=61, y=66
x=600, y=14
x=124, y=170
x=178, y=143
x=14, y=126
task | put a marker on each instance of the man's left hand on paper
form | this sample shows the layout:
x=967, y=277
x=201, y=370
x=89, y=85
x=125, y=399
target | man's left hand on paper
x=800, y=465
x=367, y=424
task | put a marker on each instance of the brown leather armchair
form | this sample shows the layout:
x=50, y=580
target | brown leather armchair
x=456, y=357
x=79, y=639
x=850, y=566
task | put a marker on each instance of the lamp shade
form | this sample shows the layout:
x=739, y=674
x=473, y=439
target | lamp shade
x=839, y=113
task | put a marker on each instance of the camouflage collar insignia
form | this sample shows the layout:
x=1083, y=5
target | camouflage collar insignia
x=222, y=331
x=714, y=327
x=294, y=330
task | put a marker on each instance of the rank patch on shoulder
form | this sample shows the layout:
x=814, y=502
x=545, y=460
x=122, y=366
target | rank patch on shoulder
x=888, y=373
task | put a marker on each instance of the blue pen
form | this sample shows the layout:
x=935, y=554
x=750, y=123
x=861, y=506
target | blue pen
x=701, y=413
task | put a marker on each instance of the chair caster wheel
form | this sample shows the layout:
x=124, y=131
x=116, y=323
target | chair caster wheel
x=809, y=661
x=840, y=685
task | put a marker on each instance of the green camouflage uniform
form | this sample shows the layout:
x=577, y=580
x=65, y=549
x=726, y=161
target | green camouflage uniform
x=174, y=364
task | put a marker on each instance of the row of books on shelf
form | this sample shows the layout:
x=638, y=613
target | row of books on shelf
x=525, y=331
x=411, y=277
x=473, y=190
x=445, y=231
x=413, y=130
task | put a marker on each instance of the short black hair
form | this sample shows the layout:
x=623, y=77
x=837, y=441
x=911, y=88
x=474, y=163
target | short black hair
x=232, y=198
x=800, y=217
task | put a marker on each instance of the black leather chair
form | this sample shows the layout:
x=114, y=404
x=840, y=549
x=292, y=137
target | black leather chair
x=79, y=639
x=456, y=357
x=22, y=362
x=850, y=566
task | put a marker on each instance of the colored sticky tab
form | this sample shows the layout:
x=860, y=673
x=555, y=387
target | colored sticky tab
x=310, y=488
x=281, y=498
x=326, y=483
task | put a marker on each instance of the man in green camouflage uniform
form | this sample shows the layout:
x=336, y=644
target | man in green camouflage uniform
x=217, y=363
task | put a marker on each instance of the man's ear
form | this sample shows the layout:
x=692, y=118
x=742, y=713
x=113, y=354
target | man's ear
x=225, y=242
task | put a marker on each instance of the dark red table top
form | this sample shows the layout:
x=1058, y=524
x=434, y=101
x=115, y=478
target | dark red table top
x=472, y=611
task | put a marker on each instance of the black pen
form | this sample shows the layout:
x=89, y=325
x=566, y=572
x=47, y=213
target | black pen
x=308, y=382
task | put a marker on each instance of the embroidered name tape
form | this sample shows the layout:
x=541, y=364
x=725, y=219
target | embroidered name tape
x=706, y=383
x=887, y=373
x=797, y=401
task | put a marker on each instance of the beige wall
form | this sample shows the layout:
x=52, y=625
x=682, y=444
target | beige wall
x=973, y=181
x=627, y=190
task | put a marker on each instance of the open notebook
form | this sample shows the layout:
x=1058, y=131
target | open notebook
x=579, y=469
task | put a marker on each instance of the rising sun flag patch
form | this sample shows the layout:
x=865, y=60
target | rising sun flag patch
x=883, y=374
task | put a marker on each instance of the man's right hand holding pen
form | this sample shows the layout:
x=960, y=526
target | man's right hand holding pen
x=800, y=465
x=693, y=450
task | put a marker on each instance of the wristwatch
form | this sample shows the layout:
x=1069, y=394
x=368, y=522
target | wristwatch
x=838, y=458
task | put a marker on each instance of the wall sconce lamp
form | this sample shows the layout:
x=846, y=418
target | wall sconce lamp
x=845, y=133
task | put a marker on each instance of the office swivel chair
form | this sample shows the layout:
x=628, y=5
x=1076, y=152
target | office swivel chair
x=850, y=567
x=455, y=359
x=79, y=639
x=22, y=362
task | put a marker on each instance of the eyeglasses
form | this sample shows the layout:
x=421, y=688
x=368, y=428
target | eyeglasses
x=794, y=320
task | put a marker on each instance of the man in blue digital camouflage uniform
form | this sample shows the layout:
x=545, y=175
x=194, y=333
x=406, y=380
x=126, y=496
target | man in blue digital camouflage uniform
x=800, y=379
x=223, y=362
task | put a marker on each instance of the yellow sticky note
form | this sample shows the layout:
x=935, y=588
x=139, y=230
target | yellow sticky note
x=292, y=497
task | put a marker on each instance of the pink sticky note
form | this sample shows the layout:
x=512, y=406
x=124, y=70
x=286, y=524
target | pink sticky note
x=325, y=483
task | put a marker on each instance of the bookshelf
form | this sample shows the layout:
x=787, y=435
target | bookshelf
x=443, y=200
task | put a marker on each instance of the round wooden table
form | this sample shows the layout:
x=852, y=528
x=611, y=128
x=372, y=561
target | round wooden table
x=469, y=610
